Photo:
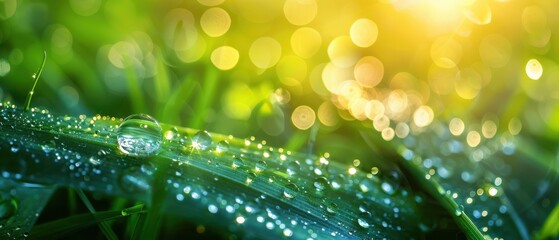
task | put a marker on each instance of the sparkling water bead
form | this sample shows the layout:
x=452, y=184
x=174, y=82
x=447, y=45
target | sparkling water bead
x=139, y=135
x=202, y=140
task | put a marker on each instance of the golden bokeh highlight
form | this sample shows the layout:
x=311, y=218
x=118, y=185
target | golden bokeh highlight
x=473, y=138
x=456, y=126
x=225, y=57
x=373, y=109
x=300, y=12
x=381, y=122
x=363, y=32
x=369, y=71
x=265, y=52
x=479, y=12
x=215, y=22
x=333, y=76
x=342, y=52
x=423, y=116
x=534, y=69
x=489, y=129
x=305, y=42
x=303, y=117
x=387, y=134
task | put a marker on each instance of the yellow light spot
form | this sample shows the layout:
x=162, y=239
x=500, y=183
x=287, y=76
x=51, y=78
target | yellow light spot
x=352, y=171
x=305, y=42
x=489, y=129
x=342, y=52
x=374, y=170
x=534, y=69
x=468, y=83
x=327, y=114
x=333, y=76
x=169, y=135
x=387, y=134
x=397, y=101
x=484, y=213
x=381, y=122
x=368, y=71
x=473, y=138
x=373, y=109
x=121, y=54
x=423, y=116
x=456, y=126
x=303, y=117
x=446, y=52
x=515, y=125
x=265, y=52
x=215, y=22
x=492, y=191
x=291, y=70
x=356, y=162
x=469, y=200
x=300, y=12
x=363, y=32
x=495, y=50
x=225, y=57
x=479, y=13
x=357, y=108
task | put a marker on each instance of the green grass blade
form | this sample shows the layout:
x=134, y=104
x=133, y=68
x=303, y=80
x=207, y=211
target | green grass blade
x=76, y=222
x=550, y=229
x=205, y=97
x=105, y=228
x=36, y=77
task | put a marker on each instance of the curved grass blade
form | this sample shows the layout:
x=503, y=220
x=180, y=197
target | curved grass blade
x=36, y=77
x=244, y=187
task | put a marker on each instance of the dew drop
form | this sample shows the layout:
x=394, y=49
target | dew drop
x=363, y=223
x=387, y=188
x=8, y=206
x=459, y=210
x=332, y=208
x=222, y=146
x=238, y=162
x=139, y=135
x=320, y=183
x=201, y=140
x=293, y=167
x=290, y=191
x=260, y=166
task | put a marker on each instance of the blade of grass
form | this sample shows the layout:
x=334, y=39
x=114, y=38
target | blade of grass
x=77, y=222
x=134, y=89
x=550, y=229
x=36, y=76
x=152, y=223
x=178, y=99
x=205, y=98
x=161, y=83
x=105, y=228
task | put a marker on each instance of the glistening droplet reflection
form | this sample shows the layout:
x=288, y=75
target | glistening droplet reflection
x=139, y=135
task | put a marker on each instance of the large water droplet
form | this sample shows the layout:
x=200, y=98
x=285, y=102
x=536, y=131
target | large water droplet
x=320, y=183
x=8, y=206
x=201, y=140
x=139, y=135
